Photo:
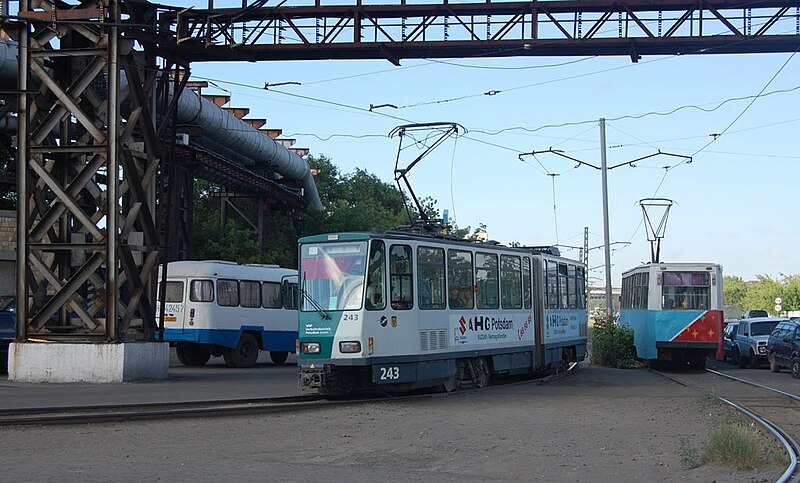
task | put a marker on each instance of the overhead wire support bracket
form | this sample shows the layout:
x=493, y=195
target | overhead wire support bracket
x=445, y=130
x=558, y=152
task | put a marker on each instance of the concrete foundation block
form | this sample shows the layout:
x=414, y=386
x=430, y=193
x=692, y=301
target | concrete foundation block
x=87, y=362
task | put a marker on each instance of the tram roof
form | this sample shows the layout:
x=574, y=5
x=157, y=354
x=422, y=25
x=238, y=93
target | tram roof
x=404, y=235
x=673, y=266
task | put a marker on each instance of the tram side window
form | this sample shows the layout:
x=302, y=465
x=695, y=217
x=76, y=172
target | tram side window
x=486, y=280
x=430, y=278
x=562, y=285
x=227, y=293
x=201, y=291
x=250, y=293
x=572, y=287
x=510, y=282
x=376, y=277
x=459, y=279
x=174, y=292
x=581, y=279
x=271, y=295
x=552, y=285
x=526, y=282
x=400, y=272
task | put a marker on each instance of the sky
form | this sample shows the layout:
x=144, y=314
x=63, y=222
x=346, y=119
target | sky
x=733, y=204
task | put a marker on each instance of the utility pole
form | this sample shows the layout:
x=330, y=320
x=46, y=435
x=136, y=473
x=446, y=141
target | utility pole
x=604, y=169
x=607, y=242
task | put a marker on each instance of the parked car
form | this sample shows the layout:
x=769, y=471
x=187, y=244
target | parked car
x=750, y=344
x=728, y=334
x=752, y=314
x=783, y=348
x=8, y=324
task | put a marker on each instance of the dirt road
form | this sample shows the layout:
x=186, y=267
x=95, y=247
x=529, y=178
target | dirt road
x=596, y=425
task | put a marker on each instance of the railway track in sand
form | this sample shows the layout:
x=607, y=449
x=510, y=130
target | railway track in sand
x=776, y=410
x=209, y=408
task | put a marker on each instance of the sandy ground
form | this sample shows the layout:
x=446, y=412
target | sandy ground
x=596, y=425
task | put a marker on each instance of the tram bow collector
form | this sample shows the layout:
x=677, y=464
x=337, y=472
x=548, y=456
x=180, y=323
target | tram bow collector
x=395, y=311
x=674, y=311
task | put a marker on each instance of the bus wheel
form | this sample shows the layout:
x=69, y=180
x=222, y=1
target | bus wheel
x=244, y=355
x=480, y=372
x=193, y=355
x=278, y=357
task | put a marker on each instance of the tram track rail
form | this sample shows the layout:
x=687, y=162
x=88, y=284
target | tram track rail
x=792, y=447
x=66, y=415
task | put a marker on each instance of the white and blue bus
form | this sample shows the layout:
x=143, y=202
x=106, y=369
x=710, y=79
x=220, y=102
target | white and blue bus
x=219, y=308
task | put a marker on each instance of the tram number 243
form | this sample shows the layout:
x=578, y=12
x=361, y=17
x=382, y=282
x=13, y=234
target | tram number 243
x=394, y=373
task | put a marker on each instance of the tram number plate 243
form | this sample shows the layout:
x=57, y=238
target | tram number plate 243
x=394, y=373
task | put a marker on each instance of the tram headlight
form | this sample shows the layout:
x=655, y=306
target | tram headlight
x=349, y=347
x=309, y=347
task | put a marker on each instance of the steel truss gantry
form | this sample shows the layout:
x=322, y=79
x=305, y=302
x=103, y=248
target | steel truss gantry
x=91, y=158
x=511, y=28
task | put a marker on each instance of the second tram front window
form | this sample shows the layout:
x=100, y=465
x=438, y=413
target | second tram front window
x=686, y=290
x=376, y=277
x=400, y=273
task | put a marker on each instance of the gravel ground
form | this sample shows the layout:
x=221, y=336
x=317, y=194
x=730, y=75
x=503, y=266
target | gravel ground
x=596, y=425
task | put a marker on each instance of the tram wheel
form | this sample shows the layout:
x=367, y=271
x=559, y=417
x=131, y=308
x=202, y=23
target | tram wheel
x=480, y=372
x=278, y=357
x=773, y=366
x=193, y=355
x=244, y=355
x=795, y=368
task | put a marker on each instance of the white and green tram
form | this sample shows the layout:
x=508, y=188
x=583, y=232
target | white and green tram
x=396, y=311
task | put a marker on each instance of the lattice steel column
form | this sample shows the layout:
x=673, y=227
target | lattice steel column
x=87, y=163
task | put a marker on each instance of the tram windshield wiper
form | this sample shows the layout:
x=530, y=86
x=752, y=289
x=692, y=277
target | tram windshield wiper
x=311, y=300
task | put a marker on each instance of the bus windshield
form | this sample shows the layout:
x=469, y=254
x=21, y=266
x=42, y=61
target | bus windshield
x=332, y=275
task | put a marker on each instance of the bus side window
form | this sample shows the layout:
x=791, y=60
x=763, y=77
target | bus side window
x=228, y=293
x=271, y=295
x=289, y=295
x=201, y=291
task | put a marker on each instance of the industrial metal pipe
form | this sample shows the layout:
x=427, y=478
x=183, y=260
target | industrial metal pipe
x=220, y=127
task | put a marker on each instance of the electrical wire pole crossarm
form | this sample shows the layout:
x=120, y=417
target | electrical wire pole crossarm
x=604, y=168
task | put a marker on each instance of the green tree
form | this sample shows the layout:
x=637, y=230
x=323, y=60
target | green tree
x=734, y=290
x=761, y=294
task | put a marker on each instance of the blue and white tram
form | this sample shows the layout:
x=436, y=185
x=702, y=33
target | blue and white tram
x=396, y=311
x=225, y=309
x=674, y=311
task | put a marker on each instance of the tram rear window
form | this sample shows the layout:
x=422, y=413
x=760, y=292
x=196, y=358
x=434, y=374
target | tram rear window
x=686, y=291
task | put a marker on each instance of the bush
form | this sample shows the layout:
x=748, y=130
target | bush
x=612, y=345
x=733, y=445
